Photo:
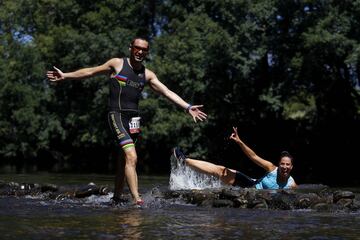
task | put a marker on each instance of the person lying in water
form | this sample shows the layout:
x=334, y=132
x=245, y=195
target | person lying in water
x=276, y=177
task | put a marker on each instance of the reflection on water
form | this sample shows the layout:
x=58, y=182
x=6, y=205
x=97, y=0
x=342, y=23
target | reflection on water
x=34, y=219
x=93, y=218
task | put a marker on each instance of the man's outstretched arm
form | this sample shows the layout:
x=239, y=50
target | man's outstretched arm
x=106, y=68
x=157, y=86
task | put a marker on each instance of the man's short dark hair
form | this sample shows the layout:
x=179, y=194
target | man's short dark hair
x=135, y=38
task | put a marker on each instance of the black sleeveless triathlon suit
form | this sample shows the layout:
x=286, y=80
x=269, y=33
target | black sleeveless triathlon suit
x=125, y=92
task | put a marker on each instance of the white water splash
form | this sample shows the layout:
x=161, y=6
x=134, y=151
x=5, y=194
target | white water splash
x=183, y=177
x=99, y=200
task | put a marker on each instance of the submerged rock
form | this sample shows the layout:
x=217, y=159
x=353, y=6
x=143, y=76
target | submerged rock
x=339, y=195
x=307, y=200
x=320, y=198
x=222, y=203
x=49, y=188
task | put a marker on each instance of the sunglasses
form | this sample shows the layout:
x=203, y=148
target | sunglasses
x=137, y=49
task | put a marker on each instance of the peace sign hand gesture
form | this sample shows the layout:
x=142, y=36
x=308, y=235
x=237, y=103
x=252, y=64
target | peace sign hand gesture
x=235, y=136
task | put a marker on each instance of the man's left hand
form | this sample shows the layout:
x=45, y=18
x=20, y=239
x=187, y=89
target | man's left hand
x=196, y=113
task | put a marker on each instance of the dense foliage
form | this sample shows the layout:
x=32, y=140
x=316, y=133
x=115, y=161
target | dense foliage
x=285, y=72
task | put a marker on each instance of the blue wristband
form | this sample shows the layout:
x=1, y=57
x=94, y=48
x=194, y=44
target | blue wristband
x=188, y=108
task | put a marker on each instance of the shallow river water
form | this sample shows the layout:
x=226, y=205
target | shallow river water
x=33, y=217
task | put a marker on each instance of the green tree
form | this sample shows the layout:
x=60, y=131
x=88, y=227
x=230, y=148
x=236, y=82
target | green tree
x=285, y=72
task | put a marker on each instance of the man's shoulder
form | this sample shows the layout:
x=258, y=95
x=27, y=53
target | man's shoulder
x=116, y=60
x=116, y=64
x=149, y=74
x=148, y=70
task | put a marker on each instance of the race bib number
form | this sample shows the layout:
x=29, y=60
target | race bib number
x=134, y=125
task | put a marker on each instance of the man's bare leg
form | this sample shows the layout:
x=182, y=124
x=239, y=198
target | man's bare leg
x=226, y=175
x=130, y=172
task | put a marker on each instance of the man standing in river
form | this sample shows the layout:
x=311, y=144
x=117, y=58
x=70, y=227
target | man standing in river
x=127, y=79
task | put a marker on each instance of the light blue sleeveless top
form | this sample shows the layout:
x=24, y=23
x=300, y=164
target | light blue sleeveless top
x=269, y=181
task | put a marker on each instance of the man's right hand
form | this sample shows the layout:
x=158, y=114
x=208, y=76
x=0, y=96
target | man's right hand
x=56, y=75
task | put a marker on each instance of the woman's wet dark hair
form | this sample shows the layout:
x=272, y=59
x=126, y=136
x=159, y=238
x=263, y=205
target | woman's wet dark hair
x=286, y=154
